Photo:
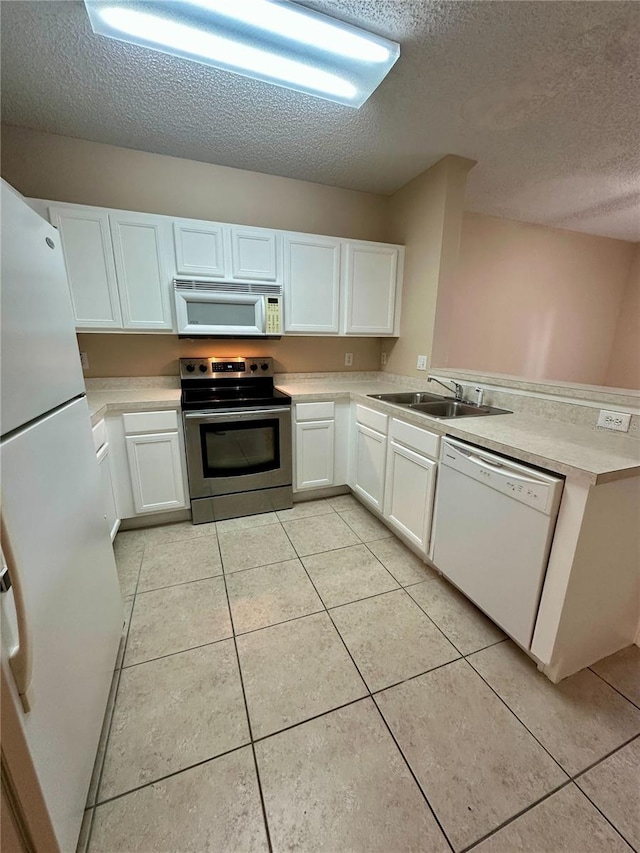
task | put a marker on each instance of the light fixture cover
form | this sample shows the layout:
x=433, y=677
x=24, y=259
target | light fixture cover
x=276, y=41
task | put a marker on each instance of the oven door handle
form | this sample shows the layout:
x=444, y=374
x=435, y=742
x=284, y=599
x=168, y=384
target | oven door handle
x=233, y=414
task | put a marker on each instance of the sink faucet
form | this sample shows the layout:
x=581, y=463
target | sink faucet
x=457, y=388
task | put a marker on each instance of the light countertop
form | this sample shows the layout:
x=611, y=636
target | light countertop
x=131, y=400
x=580, y=452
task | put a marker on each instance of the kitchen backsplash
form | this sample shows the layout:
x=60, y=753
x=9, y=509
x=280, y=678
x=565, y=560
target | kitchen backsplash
x=157, y=355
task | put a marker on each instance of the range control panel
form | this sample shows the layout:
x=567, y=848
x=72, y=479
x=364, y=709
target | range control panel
x=235, y=367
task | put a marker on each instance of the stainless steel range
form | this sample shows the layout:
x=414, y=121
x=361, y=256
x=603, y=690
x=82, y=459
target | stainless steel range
x=238, y=437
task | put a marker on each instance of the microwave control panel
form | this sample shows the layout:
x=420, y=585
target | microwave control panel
x=273, y=315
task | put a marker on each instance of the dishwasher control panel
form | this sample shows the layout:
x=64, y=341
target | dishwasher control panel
x=526, y=485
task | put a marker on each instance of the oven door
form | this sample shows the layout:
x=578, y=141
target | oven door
x=202, y=312
x=238, y=451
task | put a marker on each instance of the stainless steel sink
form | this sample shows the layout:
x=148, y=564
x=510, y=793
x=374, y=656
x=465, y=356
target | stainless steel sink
x=456, y=409
x=409, y=398
x=437, y=406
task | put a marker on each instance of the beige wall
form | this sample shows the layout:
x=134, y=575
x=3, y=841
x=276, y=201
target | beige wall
x=157, y=355
x=624, y=364
x=425, y=216
x=536, y=302
x=60, y=168
x=45, y=165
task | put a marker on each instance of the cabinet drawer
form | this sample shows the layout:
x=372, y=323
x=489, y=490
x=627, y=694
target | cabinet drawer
x=416, y=438
x=99, y=434
x=150, y=421
x=315, y=411
x=372, y=419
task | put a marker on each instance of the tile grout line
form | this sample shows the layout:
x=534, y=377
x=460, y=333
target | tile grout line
x=605, y=757
x=509, y=820
x=370, y=696
x=124, y=640
x=593, y=803
x=170, y=775
x=246, y=710
x=613, y=687
x=570, y=779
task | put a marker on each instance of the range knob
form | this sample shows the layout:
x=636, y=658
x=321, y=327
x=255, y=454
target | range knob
x=264, y=365
x=253, y=367
x=191, y=368
x=202, y=368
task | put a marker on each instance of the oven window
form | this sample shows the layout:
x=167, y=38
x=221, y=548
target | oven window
x=241, y=448
x=221, y=314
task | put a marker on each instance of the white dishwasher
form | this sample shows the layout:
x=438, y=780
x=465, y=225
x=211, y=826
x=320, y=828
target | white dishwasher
x=494, y=522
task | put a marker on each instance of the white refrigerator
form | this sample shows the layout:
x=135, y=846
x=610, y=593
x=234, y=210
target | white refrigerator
x=61, y=606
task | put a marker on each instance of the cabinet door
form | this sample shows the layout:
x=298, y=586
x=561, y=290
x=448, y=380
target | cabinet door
x=199, y=248
x=369, y=464
x=88, y=256
x=156, y=472
x=108, y=499
x=371, y=274
x=409, y=491
x=311, y=284
x=314, y=454
x=254, y=254
x=140, y=248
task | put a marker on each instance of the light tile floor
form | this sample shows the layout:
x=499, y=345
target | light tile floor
x=302, y=681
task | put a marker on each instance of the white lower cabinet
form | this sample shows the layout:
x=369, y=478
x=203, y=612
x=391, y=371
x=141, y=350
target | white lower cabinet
x=156, y=474
x=103, y=457
x=410, y=481
x=106, y=479
x=314, y=453
x=148, y=462
x=369, y=455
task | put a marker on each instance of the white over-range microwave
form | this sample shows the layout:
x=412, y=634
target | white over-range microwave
x=216, y=308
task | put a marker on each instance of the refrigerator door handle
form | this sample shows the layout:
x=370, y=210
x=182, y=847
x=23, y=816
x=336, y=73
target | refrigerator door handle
x=20, y=657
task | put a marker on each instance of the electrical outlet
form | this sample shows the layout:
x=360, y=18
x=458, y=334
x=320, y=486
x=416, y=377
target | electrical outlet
x=383, y=358
x=422, y=362
x=84, y=360
x=348, y=359
x=614, y=420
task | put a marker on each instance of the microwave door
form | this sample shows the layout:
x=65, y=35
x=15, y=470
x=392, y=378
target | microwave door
x=209, y=313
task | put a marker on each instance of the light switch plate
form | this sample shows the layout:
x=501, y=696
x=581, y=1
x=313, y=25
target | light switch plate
x=614, y=420
x=84, y=360
x=383, y=358
x=422, y=362
x=348, y=359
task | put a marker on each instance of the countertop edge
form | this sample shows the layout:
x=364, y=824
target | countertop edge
x=100, y=408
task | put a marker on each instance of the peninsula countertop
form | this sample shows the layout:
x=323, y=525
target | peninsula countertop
x=586, y=453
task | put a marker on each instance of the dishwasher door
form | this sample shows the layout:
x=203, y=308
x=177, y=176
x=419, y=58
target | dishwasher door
x=494, y=522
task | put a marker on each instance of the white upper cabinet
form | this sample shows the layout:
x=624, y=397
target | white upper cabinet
x=88, y=256
x=371, y=276
x=311, y=284
x=121, y=264
x=254, y=254
x=140, y=245
x=200, y=248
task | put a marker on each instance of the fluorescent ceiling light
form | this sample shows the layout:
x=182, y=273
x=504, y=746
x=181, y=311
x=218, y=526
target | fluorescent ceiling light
x=271, y=40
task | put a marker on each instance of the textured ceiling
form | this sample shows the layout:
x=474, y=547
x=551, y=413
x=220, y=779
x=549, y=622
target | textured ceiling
x=544, y=95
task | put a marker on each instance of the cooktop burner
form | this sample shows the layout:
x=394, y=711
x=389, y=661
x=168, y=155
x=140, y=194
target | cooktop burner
x=221, y=382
